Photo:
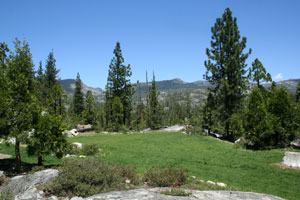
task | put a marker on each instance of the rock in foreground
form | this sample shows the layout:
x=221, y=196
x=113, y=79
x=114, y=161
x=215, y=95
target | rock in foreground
x=154, y=194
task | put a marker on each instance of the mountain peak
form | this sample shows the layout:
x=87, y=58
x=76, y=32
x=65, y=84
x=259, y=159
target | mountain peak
x=178, y=80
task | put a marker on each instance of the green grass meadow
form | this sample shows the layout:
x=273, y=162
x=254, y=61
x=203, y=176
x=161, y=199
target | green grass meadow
x=205, y=157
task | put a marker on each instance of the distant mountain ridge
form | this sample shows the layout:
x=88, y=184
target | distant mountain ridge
x=166, y=86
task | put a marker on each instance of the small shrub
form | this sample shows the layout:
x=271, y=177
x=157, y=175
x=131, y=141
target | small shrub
x=90, y=149
x=128, y=173
x=175, y=192
x=73, y=149
x=87, y=177
x=158, y=177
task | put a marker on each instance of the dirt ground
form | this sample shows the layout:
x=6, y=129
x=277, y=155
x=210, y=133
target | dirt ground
x=3, y=156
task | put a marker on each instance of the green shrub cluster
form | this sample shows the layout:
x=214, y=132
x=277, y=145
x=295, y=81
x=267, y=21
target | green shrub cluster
x=87, y=177
x=158, y=177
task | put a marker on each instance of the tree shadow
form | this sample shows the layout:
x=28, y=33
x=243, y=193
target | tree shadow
x=8, y=166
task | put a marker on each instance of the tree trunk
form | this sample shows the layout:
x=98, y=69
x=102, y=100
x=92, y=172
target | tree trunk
x=40, y=160
x=18, y=155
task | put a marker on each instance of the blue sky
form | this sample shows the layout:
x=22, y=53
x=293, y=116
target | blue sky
x=168, y=37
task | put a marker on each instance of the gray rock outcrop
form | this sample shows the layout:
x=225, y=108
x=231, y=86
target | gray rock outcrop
x=25, y=187
x=291, y=159
x=154, y=194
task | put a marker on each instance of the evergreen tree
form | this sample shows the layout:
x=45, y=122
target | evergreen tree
x=117, y=114
x=258, y=121
x=90, y=106
x=78, y=98
x=298, y=93
x=258, y=73
x=208, y=113
x=154, y=109
x=51, y=72
x=22, y=93
x=118, y=85
x=139, y=120
x=226, y=68
x=48, y=137
x=4, y=91
x=282, y=110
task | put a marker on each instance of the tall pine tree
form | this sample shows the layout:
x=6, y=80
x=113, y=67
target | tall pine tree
x=118, y=85
x=90, y=106
x=226, y=68
x=154, y=112
x=78, y=98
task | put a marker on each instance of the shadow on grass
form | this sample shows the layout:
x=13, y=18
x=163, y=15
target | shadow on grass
x=8, y=166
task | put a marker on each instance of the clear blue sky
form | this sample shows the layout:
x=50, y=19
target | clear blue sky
x=168, y=37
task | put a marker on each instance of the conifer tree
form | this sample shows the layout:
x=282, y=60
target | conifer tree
x=48, y=137
x=258, y=73
x=298, y=93
x=4, y=90
x=22, y=94
x=208, y=113
x=154, y=112
x=226, y=68
x=282, y=110
x=78, y=98
x=51, y=72
x=117, y=114
x=258, y=121
x=118, y=85
x=90, y=106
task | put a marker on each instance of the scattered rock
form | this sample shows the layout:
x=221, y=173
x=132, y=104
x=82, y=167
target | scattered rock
x=221, y=184
x=82, y=156
x=25, y=186
x=296, y=143
x=1, y=173
x=173, y=128
x=291, y=159
x=194, y=177
x=82, y=128
x=76, y=198
x=145, y=130
x=79, y=145
x=71, y=133
x=211, y=182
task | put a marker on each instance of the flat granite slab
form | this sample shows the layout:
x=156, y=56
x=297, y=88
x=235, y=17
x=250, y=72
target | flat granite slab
x=154, y=194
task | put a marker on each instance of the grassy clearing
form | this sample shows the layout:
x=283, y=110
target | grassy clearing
x=204, y=157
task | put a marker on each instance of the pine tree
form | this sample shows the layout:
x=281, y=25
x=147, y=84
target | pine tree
x=258, y=122
x=117, y=114
x=258, y=73
x=154, y=109
x=22, y=94
x=298, y=93
x=78, y=98
x=118, y=85
x=51, y=72
x=226, y=68
x=282, y=110
x=208, y=113
x=4, y=91
x=89, y=111
x=48, y=137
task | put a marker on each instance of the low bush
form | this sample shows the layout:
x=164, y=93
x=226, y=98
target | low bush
x=90, y=149
x=87, y=177
x=158, y=177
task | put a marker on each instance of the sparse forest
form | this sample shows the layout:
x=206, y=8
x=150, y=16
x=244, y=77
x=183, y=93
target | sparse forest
x=35, y=109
